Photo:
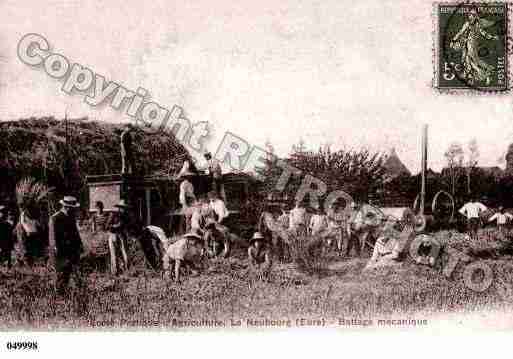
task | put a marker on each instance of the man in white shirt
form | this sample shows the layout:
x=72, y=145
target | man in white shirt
x=186, y=190
x=472, y=210
x=297, y=218
x=283, y=218
x=197, y=218
x=218, y=207
x=501, y=218
x=318, y=223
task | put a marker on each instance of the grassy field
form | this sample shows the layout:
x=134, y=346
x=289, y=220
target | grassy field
x=227, y=290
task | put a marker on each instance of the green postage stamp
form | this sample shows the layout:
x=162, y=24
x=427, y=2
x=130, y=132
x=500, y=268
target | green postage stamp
x=471, y=46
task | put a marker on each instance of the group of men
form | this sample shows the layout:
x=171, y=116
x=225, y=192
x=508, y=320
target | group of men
x=65, y=243
x=474, y=212
x=335, y=226
x=206, y=227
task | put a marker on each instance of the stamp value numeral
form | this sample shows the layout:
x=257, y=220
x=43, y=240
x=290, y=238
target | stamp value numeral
x=449, y=69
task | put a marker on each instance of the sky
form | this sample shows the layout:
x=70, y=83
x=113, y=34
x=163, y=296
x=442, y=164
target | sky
x=345, y=73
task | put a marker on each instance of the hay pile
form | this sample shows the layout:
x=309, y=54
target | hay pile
x=490, y=243
x=62, y=156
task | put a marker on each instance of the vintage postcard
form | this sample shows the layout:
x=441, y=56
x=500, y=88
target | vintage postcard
x=292, y=166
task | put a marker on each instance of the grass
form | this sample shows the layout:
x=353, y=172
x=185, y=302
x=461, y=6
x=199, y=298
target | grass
x=228, y=289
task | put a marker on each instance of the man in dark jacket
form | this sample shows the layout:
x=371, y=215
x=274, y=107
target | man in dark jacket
x=66, y=244
x=127, y=156
x=6, y=237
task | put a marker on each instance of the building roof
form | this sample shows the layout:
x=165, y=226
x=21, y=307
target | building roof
x=394, y=167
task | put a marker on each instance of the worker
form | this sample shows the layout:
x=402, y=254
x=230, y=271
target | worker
x=197, y=217
x=186, y=251
x=186, y=189
x=66, y=245
x=297, y=218
x=118, y=238
x=473, y=210
x=127, y=156
x=216, y=239
x=354, y=227
x=284, y=218
x=218, y=208
x=501, y=218
x=387, y=244
x=318, y=222
x=215, y=173
x=259, y=254
x=100, y=218
x=335, y=230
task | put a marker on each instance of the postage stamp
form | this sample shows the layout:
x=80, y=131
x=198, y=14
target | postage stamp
x=471, y=46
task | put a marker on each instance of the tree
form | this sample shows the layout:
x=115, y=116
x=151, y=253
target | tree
x=454, y=157
x=357, y=172
x=472, y=159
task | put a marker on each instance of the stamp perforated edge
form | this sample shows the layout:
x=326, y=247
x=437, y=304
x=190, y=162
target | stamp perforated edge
x=436, y=42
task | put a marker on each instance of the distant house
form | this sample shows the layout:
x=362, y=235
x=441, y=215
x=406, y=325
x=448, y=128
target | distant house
x=394, y=167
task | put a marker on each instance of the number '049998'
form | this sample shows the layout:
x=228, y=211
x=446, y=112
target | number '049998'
x=22, y=346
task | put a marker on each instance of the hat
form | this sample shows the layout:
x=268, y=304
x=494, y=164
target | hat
x=121, y=204
x=69, y=201
x=212, y=194
x=192, y=234
x=257, y=236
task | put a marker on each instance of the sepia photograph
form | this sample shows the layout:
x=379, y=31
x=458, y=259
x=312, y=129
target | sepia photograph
x=238, y=166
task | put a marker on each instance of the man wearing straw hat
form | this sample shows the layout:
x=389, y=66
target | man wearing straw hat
x=118, y=237
x=66, y=244
x=258, y=252
x=186, y=250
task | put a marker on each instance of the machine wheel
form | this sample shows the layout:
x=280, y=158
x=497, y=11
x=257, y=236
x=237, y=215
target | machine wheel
x=443, y=208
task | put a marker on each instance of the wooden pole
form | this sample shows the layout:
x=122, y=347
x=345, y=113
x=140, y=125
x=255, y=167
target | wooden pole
x=147, y=192
x=424, y=168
